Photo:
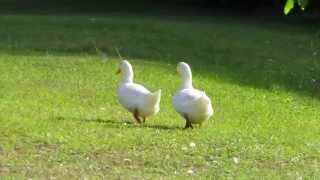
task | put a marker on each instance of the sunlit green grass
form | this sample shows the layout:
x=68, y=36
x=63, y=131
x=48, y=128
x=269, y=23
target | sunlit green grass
x=59, y=114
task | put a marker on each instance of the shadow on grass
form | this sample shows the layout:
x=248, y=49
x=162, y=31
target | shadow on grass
x=127, y=124
x=272, y=55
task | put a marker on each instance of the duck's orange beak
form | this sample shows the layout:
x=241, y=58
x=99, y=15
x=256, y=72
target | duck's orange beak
x=118, y=71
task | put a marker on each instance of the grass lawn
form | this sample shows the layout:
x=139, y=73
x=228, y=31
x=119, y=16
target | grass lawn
x=60, y=118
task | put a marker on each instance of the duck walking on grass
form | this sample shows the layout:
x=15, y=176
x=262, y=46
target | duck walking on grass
x=136, y=98
x=192, y=104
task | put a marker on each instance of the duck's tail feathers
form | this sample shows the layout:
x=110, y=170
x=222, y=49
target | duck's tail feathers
x=204, y=101
x=155, y=97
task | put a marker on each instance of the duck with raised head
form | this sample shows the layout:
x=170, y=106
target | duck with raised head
x=134, y=97
x=192, y=104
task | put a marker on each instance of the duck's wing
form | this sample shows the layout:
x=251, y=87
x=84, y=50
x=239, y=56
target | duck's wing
x=185, y=98
x=132, y=95
x=190, y=95
x=136, y=89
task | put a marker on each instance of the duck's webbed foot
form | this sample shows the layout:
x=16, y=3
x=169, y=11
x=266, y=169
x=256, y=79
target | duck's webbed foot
x=136, y=116
x=188, y=122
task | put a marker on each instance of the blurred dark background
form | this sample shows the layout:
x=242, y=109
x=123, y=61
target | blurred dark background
x=264, y=7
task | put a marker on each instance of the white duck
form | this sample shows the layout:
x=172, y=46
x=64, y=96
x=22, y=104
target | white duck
x=134, y=97
x=192, y=104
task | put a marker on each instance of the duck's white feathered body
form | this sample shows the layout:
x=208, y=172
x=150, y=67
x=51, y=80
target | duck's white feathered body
x=192, y=104
x=136, y=98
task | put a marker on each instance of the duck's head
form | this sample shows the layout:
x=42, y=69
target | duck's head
x=183, y=69
x=125, y=69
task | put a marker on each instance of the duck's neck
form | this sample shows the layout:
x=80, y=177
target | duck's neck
x=127, y=75
x=187, y=80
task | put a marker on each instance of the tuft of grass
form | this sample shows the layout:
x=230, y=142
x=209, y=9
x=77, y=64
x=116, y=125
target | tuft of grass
x=60, y=117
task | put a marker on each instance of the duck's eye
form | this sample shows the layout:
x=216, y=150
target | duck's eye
x=118, y=71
